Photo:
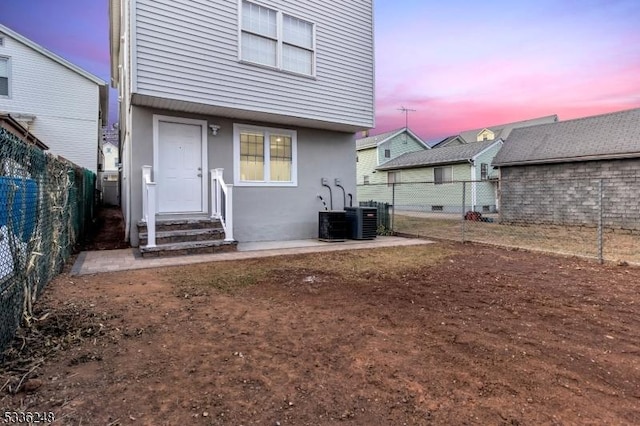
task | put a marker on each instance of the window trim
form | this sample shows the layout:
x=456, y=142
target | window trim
x=237, y=181
x=9, y=77
x=484, y=171
x=279, y=41
x=396, y=178
x=443, y=182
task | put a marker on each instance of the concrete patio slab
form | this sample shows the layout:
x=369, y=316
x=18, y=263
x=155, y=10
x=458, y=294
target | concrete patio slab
x=95, y=262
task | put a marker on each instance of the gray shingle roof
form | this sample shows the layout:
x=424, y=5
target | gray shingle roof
x=501, y=131
x=444, y=155
x=613, y=135
x=374, y=141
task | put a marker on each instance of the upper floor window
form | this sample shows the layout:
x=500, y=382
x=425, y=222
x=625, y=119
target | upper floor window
x=365, y=179
x=275, y=39
x=265, y=156
x=387, y=153
x=4, y=76
x=442, y=175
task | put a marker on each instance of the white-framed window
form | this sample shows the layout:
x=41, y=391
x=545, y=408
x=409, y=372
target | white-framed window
x=5, y=84
x=275, y=39
x=442, y=175
x=484, y=171
x=108, y=150
x=387, y=153
x=365, y=180
x=265, y=156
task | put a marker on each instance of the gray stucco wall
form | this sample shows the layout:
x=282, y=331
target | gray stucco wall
x=260, y=213
x=567, y=193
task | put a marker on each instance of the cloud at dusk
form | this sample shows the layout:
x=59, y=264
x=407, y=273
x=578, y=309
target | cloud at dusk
x=459, y=64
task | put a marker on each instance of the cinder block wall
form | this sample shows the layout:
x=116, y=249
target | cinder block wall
x=568, y=193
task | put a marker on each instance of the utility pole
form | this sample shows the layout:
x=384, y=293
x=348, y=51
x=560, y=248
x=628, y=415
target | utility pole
x=406, y=115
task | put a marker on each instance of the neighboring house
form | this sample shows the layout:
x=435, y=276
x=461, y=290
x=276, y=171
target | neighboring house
x=16, y=128
x=431, y=180
x=550, y=173
x=108, y=178
x=58, y=102
x=372, y=151
x=110, y=150
x=500, y=131
x=273, y=92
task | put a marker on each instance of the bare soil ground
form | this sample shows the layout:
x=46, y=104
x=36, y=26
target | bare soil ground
x=618, y=244
x=107, y=232
x=438, y=334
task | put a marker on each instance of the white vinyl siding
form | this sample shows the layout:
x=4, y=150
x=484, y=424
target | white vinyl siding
x=68, y=124
x=264, y=156
x=187, y=52
x=4, y=77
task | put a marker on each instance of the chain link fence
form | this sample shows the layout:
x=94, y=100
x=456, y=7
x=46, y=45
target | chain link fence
x=46, y=205
x=594, y=218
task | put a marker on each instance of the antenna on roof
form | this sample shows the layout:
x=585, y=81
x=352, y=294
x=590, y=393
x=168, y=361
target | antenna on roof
x=406, y=115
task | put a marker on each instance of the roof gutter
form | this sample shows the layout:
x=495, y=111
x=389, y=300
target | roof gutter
x=571, y=159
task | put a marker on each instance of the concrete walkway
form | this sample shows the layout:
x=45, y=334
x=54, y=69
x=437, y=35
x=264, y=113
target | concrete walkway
x=94, y=262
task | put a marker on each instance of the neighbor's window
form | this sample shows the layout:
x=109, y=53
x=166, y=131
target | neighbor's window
x=387, y=153
x=4, y=76
x=393, y=177
x=442, y=175
x=365, y=179
x=272, y=38
x=484, y=171
x=108, y=150
x=265, y=156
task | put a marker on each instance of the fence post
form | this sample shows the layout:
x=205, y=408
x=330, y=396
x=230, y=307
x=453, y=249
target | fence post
x=393, y=207
x=464, y=203
x=600, y=207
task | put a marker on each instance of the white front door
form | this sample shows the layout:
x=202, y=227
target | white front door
x=180, y=170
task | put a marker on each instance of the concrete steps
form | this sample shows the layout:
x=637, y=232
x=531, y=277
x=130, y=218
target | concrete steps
x=179, y=237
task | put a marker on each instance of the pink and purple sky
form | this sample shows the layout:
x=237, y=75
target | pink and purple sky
x=459, y=64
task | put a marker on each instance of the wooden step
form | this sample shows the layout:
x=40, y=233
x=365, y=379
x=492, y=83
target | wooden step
x=184, y=235
x=187, y=248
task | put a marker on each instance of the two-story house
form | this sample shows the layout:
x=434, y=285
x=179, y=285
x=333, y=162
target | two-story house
x=272, y=92
x=374, y=151
x=60, y=103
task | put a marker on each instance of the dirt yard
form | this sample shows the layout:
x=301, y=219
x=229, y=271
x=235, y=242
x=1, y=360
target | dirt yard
x=618, y=244
x=440, y=334
x=107, y=232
